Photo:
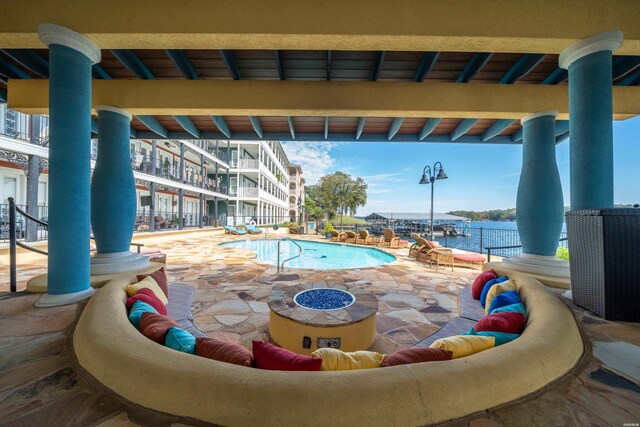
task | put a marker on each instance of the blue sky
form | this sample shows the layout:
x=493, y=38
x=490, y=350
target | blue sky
x=481, y=177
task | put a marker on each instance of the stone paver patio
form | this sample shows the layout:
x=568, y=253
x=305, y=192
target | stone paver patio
x=40, y=382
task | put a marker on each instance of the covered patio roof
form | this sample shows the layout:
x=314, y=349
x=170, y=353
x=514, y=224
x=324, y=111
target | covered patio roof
x=324, y=73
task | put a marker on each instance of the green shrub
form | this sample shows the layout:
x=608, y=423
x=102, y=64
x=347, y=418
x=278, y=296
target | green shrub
x=328, y=228
x=563, y=253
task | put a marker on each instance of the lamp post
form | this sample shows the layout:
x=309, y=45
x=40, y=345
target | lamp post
x=437, y=172
x=341, y=190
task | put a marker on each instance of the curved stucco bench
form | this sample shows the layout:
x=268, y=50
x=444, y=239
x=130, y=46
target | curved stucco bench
x=122, y=359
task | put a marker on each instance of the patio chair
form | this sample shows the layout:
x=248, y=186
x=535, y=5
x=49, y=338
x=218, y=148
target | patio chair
x=338, y=236
x=423, y=253
x=232, y=230
x=351, y=237
x=364, y=238
x=389, y=239
x=252, y=229
x=446, y=256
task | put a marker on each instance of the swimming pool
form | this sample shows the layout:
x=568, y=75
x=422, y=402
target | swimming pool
x=315, y=255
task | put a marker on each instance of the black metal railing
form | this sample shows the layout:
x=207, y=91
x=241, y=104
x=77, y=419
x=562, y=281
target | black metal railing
x=490, y=249
x=22, y=233
x=281, y=220
x=14, y=243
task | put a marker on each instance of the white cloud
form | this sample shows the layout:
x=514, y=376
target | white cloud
x=384, y=177
x=510, y=175
x=314, y=157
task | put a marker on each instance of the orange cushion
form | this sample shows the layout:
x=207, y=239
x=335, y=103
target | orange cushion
x=417, y=355
x=155, y=326
x=223, y=351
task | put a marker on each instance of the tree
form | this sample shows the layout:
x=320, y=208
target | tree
x=314, y=212
x=326, y=197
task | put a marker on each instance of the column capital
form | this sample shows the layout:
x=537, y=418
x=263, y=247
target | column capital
x=114, y=110
x=610, y=40
x=56, y=34
x=532, y=116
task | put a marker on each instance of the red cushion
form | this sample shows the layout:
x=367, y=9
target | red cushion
x=155, y=326
x=404, y=241
x=508, y=322
x=469, y=257
x=224, y=351
x=416, y=355
x=271, y=357
x=481, y=280
x=161, y=279
x=147, y=295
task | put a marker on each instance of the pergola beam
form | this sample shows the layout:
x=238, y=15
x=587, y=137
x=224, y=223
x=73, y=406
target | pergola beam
x=519, y=27
x=321, y=98
x=30, y=60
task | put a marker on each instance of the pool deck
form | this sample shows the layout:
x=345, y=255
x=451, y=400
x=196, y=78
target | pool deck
x=40, y=382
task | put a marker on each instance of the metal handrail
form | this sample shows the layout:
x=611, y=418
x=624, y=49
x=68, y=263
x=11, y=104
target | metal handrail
x=13, y=242
x=489, y=249
x=281, y=266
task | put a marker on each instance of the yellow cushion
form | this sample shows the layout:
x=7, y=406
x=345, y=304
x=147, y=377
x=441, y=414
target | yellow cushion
x=463, y=345
x=497, y=289
x=148, y=283
x=336, y=360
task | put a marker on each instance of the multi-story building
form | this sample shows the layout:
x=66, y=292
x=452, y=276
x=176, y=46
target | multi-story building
x=174, y=179
x=204, y=182
x=259, y=182
x=296, y=192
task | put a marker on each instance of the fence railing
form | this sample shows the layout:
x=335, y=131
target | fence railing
x=258, y=220
x=25, y=231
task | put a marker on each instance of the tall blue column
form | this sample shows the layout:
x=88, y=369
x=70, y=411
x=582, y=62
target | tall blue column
x=539, y=204
x=113, y=190
x=113, y=196
x=71, y=56
x=591, y=115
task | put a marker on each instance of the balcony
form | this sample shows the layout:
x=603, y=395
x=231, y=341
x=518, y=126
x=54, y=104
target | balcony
x=251, y=192
x=247, y=164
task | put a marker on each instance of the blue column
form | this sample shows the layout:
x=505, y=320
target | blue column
x=539, y=204
x=591, y=115
x=113, y=191
x=71, y=56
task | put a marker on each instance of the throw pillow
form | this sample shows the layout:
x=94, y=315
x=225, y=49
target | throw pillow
x=481, y=280
x=501, y=337
x=511, y=323
x=137, y=310
x=464, y=345
x=497, y=289
x=271, y=357
x=180, y=340
x=148, y=296
x=155, y=326
x=515, y=308
x=337, y=360
x=407, y=356
x=148, y=283
x=504, y=299
x=487, y=286
x=223, y=351
x=160, y=277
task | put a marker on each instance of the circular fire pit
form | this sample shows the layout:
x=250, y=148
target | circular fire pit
x=306, y=317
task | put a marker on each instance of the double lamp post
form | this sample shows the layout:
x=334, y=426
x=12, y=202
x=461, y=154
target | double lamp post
x=435, y=173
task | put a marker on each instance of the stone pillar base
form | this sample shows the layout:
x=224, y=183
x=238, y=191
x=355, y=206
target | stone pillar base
x=49, y=300
x=538, y=264
x=118, y=262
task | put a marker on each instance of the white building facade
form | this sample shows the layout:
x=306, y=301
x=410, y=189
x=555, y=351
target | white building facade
x=259, y=181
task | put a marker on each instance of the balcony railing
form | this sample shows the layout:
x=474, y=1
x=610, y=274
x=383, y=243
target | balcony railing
x=245, y=192
x=248, y=164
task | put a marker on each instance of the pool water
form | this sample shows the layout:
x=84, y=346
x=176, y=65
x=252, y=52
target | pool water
x=315, y=255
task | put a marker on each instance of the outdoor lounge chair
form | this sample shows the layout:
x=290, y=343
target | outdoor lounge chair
x=365, y=239
x=252, y=229
x=389, y=239
x=446, y=256
x=351, y=237
x=422, y=247
x=338, y=236
x=232, y=230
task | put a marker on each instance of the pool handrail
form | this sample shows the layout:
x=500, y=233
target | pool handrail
x=281, y=266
